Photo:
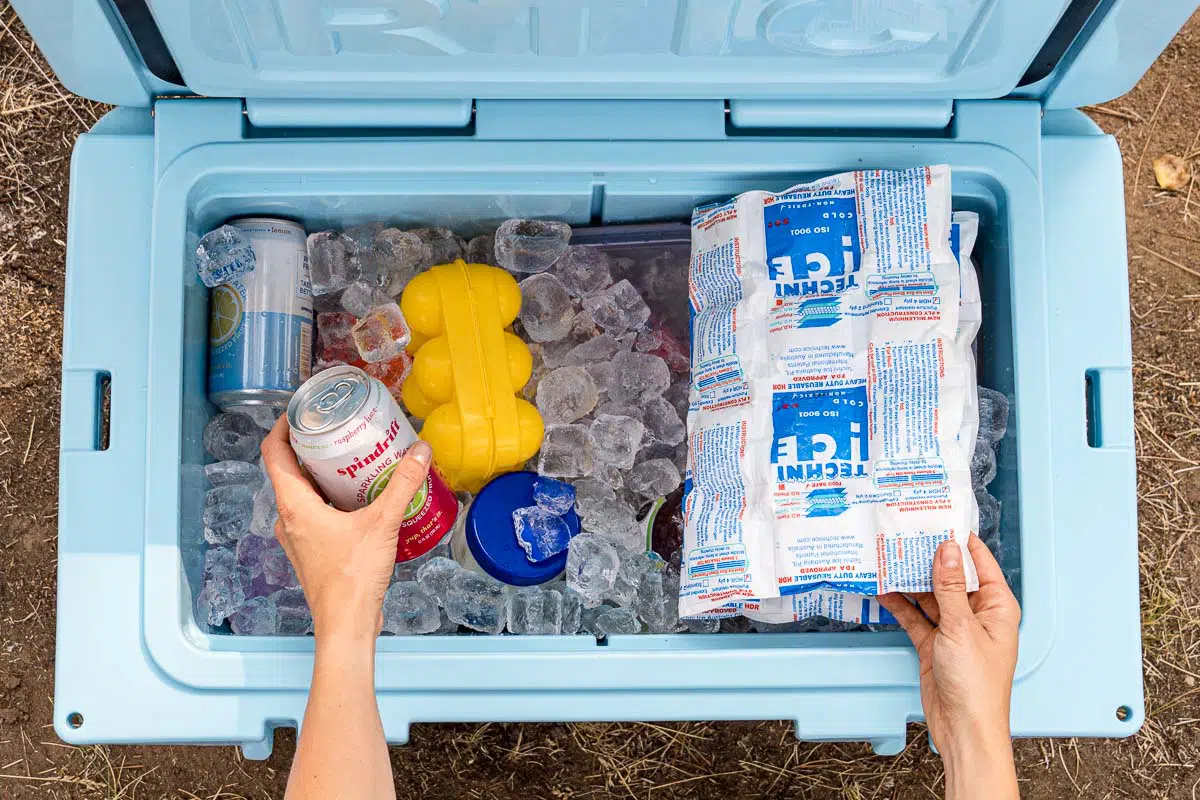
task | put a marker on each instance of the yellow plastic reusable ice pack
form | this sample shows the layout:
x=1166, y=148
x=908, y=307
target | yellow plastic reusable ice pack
x=467, y=370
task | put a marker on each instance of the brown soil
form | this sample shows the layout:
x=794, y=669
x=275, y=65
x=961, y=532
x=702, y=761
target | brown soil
x=39, y=123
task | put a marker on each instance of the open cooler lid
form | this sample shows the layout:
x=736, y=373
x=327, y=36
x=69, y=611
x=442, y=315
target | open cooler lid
x=1068, y=52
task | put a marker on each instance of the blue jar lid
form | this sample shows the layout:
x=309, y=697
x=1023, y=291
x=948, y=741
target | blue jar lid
x=493, y=541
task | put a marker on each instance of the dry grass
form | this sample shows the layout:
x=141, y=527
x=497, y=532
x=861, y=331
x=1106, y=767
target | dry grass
x=38, y=124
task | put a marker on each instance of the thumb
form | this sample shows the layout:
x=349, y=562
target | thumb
x=403, y=485
x=950, y=584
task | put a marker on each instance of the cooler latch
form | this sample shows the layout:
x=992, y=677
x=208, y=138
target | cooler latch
x=857, y=114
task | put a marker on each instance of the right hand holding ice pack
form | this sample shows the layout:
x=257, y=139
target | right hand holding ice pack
x=344, y=559
x=967, y=646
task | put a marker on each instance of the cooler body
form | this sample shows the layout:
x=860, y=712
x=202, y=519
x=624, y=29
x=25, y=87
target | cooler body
x=463, y=113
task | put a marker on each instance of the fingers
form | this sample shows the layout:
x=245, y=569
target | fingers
x=292, y=488
x=910, y=618
x=406, y=479
x=985, y=563
x=950, y=584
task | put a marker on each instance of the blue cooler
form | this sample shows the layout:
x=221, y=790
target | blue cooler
x=465, y=112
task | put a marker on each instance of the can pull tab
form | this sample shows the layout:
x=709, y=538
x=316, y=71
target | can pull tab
x=334, y=396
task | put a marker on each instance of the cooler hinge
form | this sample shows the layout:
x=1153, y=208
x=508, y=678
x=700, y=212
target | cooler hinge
x=440, y=115
x=755, y=116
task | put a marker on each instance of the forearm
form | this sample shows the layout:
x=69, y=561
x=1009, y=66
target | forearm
x=979, y=766
x=342, y=751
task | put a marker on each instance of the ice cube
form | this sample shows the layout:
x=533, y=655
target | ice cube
x=638, y=378
x=629, y=576
x=476, y=601
x=615, y=409
x=223, y=255
x=601, y=349
x=364, y=234
x=583, y=329
x=618, y=308
x=627, y=537
x=219, y=558
x=334, y=339
x=541, y=534
x=680, y=459
x=227, y=511
x=392, y=374
x=592, y=564
x=557, y=497
x=382, y=334
x=546, y=308
x=264, y=513
x=566, y=452
x=234, y=437
x=601, y=511
x=615, y=439
x=444, y=246
x=408, y=570
x=292, y=614
x=360, y=297
x=535, y=611
x=400, y=255
x=278, y=572
x=617, y=622
x=655, y=478
x=583, y=270
x=603, y=374
x=224, y=473
x=983, y=464
x=263, y=416
x=333, y=262
x=658, y=601
x=993, y=414
x=566, y=394
x=530, y=245
x=255, y=617
x=221, y=595
x=482, y=250
x=662, y=421
x=408, y=610
x=572, y=610
x=435, y=576
x=703, y=624
x=989, y=515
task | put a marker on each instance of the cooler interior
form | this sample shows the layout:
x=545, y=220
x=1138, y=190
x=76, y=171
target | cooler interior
x=472, y=204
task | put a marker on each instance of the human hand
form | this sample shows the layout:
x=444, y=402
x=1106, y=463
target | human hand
x=344, y=559
x=967, y=645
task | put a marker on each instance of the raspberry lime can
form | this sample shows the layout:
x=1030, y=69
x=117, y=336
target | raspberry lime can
x=349, y=434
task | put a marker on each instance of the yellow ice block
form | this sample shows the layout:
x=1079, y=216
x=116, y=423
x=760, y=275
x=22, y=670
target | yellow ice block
x=467, y=371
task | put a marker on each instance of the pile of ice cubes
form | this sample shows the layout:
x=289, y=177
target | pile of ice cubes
x=993, y=425
x=247, y=578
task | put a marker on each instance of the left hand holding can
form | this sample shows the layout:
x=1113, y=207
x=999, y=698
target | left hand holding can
x=344, y=559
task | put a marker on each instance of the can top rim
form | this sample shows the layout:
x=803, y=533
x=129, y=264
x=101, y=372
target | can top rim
x=272, y=220
x=328, y=399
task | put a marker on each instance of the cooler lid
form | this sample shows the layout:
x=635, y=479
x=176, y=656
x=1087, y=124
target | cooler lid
x=720, y=49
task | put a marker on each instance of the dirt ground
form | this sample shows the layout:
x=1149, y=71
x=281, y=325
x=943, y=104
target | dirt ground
x=38, y=125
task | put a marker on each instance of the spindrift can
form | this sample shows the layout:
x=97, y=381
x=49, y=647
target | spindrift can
x=261, y=324
x=349, y=433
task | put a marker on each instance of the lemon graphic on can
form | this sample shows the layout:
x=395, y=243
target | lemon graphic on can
x=226, y=314
x=380, y=483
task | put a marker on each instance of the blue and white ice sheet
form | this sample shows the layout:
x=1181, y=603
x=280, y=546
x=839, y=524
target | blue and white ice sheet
x=833, y=387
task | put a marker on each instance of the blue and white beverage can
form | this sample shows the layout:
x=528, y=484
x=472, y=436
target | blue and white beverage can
x=260, y=337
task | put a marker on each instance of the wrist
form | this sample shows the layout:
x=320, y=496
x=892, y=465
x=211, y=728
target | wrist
x=978, y=760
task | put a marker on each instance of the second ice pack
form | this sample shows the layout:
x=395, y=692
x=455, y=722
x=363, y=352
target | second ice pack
x=830, y=388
